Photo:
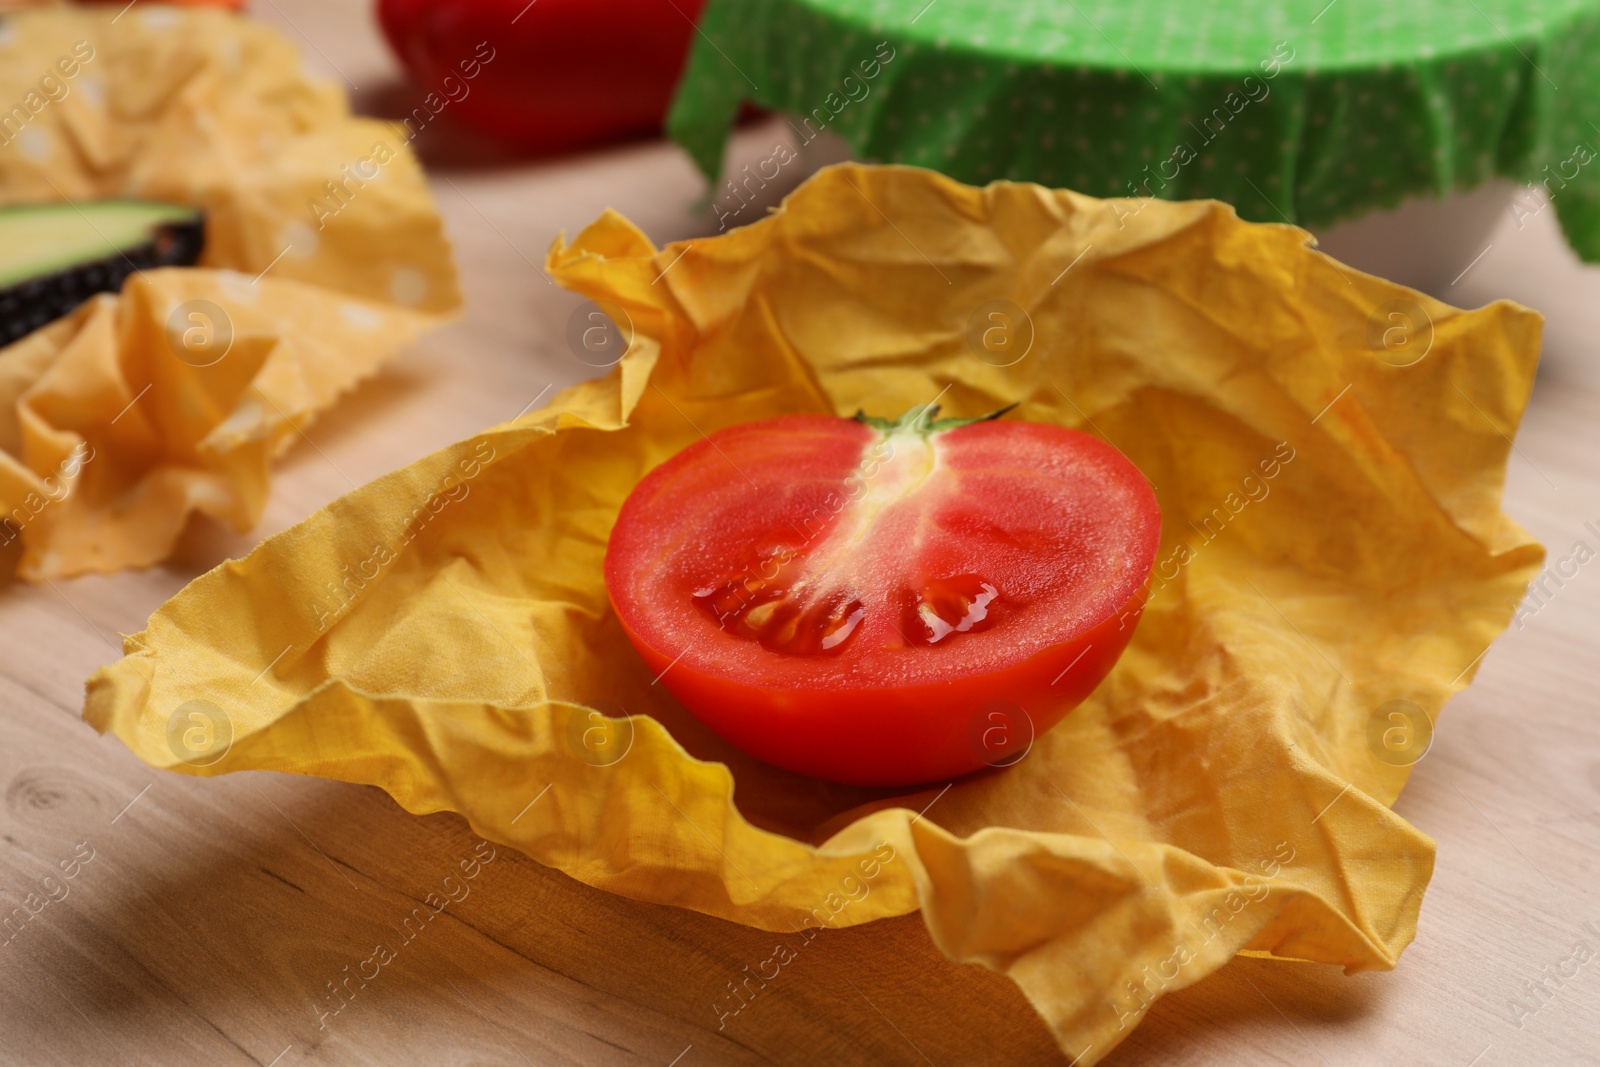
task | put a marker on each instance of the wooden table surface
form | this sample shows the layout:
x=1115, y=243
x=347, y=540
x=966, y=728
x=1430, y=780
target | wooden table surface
x=213, y=911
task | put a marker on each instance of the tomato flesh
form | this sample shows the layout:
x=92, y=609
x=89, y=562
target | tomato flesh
x=851, y=602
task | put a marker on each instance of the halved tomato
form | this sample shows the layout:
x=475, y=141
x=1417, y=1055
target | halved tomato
x=884, y=603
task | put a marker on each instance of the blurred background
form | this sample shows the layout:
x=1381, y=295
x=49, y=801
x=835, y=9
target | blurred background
x=1441, y=144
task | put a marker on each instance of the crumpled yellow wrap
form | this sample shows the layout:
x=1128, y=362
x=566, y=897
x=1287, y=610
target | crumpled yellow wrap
x=324, y=256
x=439, y=631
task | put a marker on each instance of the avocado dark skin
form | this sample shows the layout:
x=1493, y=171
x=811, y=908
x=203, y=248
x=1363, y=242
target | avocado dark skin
x=27, y=305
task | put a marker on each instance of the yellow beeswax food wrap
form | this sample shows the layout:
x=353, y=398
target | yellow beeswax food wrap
x=7, y=6
x=1333, y=554
x=324, y=256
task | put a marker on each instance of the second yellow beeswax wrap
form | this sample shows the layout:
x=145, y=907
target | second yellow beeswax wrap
x=324, y=256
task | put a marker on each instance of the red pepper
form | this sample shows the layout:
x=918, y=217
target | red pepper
x=546, y=75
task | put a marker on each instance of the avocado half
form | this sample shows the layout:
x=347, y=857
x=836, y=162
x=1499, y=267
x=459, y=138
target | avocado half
x=53, y=257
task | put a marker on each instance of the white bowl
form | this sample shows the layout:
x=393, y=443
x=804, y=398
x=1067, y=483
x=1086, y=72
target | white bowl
x=1432, y=245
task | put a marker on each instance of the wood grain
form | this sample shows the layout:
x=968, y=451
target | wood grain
x=214, y=914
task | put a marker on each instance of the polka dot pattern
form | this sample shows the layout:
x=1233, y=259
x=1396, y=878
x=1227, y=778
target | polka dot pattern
x=1284, y=112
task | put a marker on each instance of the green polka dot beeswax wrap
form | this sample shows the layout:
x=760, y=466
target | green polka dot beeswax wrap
x=1309, y=113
